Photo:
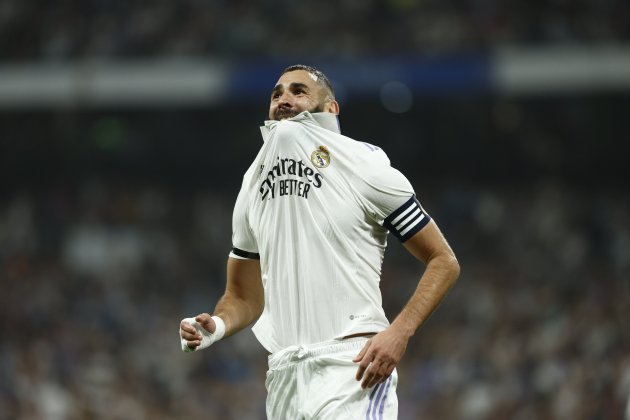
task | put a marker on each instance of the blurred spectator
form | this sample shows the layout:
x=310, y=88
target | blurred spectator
x=54, y=30
x=115, y=225
x=95, y=281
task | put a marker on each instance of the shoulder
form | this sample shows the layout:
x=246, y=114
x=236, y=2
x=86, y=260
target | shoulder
x=373, y=153
x=370, y=161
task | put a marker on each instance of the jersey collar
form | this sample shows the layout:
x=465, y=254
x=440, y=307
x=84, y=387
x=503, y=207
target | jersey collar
x=325, y=120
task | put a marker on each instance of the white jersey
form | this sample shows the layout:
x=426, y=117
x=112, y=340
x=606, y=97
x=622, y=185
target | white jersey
x=315, y=207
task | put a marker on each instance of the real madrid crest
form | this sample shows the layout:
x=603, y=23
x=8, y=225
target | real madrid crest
x=321, y=157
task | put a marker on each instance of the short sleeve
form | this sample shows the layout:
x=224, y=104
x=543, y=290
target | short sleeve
x=392, y=202
x=244, y=245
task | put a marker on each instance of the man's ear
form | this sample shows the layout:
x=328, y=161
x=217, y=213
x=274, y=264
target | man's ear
x=332, y=107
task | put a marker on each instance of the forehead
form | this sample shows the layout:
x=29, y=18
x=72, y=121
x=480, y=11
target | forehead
x=298, y=76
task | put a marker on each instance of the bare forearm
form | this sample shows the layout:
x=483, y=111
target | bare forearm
x=439, y=276
x=236, y=312
x=381, y=353
x=243, y=300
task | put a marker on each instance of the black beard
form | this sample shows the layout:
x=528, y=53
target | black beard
x=284, y=113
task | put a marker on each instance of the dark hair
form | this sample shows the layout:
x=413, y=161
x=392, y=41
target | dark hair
x=322, y=79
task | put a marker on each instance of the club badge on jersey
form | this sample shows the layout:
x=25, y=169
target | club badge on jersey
x=321, y=157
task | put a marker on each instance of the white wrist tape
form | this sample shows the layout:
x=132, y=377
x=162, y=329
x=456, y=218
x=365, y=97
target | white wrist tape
x=207, y=338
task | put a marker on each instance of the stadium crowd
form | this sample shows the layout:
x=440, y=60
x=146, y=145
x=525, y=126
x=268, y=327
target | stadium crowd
x=98, y=269
x=95, y=277
x=69, y=29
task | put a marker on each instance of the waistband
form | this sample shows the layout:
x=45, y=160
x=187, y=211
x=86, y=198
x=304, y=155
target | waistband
x=300, y=353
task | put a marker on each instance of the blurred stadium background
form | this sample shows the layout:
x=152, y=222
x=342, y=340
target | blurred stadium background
x=125, y=128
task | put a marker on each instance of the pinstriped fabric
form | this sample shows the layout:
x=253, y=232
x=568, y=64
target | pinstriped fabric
x=374, y=392
x=317, y=382
x=382, y=405
x=283, y=404
x=377, y=400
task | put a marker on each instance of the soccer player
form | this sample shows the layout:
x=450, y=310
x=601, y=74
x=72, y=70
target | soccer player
x=310, y=228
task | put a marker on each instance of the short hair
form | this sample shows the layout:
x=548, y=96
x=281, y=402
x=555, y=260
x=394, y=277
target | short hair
x=321, y=78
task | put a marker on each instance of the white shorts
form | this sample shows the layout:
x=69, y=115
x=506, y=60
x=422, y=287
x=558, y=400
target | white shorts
x=318, y=382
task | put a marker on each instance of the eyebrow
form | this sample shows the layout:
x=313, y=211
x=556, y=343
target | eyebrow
x=294, y=85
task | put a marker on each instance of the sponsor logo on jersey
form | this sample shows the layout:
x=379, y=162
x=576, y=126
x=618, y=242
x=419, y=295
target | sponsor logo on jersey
x=288, y=177
x=321, y=157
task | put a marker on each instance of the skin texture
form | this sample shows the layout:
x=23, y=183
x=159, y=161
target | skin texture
x=243, y=300
x=381, y=353
x=241, y=304
x=295, y=92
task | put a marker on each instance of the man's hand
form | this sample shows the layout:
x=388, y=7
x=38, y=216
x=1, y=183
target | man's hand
x=192, y=336
x=379, y=357
x=381, y=353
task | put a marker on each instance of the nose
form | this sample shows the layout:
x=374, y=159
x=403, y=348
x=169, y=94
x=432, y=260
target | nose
x=285, y=98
